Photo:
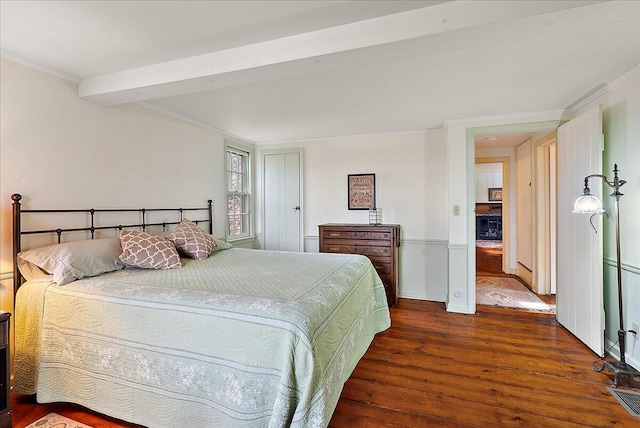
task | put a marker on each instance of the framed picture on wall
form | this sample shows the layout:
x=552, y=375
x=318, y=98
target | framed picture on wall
x=361, y=191
x=495, y=193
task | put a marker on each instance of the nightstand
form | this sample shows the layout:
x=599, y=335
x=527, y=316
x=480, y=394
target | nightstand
x=5, y=377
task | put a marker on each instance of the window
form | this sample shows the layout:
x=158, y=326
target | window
x=238, y=193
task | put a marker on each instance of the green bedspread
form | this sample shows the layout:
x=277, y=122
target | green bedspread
x=243, y=338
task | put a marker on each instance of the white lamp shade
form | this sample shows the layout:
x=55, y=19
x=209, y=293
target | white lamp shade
x=587, y=204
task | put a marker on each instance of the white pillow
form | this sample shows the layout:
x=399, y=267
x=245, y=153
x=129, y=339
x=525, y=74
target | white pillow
x=32, y=272
x=76, y=260
x=221, y=245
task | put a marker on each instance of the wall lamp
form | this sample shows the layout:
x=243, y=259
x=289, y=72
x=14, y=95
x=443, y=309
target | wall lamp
x=590, y=204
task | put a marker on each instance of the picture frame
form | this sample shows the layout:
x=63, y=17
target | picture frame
x=361, y=191
x=495, y=193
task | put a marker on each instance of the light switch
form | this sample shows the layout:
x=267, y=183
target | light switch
x=456, y=210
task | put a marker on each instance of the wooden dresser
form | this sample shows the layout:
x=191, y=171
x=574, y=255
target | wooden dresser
x=378, y=242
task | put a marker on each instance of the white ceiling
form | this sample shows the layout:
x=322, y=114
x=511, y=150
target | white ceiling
x=492, y=141
x=279, y=71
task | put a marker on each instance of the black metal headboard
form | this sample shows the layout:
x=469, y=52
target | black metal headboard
x=143, y=224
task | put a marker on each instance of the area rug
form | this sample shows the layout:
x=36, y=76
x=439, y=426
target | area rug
x=489, y=243
x=509, y=293
x=54, y=420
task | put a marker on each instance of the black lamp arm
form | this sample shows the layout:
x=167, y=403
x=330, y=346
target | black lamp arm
x=616, y=184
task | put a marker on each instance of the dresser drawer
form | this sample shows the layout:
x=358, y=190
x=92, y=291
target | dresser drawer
x=365, y=250
x=390, y=289
x=336, y=247
x=387, y=281
x=383, y=269
x=358, y=234
x=379, y=243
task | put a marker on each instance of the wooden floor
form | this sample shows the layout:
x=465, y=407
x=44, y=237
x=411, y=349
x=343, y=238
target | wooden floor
x=489, y=261
x=497, y=368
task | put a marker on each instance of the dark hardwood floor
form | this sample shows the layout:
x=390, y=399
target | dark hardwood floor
x=497, y=368
x=489, y=261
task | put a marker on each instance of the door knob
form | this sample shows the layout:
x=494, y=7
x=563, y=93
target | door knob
x=297, y=208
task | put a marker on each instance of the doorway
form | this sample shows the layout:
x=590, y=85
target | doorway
x=497, y=282
x=493, y=214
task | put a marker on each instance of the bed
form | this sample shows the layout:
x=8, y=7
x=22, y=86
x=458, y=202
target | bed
x=236, y=339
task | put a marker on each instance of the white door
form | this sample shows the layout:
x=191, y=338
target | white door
x=553, y=218
x=580, y=306
x=524, y=204
x=282, y=229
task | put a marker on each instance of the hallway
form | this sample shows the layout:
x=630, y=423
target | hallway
x=496, y=288
x=489, y=258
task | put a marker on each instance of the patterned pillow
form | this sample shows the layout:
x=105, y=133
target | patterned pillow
x=139, y=249
x=192, y=241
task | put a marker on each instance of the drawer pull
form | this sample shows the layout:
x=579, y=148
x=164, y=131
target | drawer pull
x=334, y=235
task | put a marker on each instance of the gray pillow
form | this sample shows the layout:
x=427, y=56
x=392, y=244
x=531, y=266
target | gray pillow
x=76, y=260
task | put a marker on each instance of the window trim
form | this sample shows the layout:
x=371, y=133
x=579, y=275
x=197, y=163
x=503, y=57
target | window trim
x=232, y=145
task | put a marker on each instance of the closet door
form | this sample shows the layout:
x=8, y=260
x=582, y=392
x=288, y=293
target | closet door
x=282, y=229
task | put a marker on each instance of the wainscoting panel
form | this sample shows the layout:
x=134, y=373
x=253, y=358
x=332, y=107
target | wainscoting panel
x=461, y=296
x=311, y=244
x=423, y=268
x=631, y=294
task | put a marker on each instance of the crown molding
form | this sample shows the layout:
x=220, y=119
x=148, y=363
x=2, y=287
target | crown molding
x=598, y=92
x=497, y=120
x=225, y=134
x=40, y=67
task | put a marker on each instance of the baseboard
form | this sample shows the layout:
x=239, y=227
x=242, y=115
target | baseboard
x=432, y=297
x=523, y=272
x=461, y=309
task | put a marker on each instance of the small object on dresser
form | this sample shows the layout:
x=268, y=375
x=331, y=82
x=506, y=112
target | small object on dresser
x=5, y=388
x=375, y=216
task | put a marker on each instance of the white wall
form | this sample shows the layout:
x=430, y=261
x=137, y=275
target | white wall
x=488, y=175
x=621, y=127
x=60, y=151
x=411, y=188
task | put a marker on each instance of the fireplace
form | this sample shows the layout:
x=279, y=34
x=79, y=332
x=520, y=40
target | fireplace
x=489, y=226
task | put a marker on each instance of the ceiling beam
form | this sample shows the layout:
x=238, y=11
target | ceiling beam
x=303, y=53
